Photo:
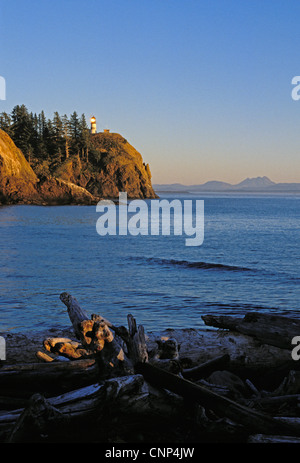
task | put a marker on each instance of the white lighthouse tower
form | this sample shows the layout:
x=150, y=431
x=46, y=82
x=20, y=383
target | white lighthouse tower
x=93, y=125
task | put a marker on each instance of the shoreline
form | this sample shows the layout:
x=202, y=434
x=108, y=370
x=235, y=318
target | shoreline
x=233, y=369
x=195, y=345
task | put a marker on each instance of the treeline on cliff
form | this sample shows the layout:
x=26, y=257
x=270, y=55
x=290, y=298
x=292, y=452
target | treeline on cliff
x=61, y=152
x=47, y=142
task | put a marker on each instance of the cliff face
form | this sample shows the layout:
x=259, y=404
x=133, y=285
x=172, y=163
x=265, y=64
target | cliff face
x=115, y=166
x=20, y=185
x=17, y=180
x=55, y=191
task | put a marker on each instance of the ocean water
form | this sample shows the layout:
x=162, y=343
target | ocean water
x=249, y=261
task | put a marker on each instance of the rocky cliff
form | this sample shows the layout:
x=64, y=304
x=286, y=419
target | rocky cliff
x=114, y=166
x=20, y=185
x=18, y=182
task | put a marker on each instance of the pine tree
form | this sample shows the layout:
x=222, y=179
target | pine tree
x=21, y=128
x=74, y=125
x=66, y=132
x=58, y=137
x=57, y=124
x=85, y=138
x=5, y=122
x=41, y=124
x=34, y=141
x=47, y=140
x=75, y=132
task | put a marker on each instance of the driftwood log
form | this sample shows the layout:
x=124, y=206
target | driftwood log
x=111, y=370
x=218, y=363
x=57, y=416
x=251, y=419
x=274, y=335
x=265, y=439
x=26, y=379
x=248, y=356
x=269, y=329
x=96, y=338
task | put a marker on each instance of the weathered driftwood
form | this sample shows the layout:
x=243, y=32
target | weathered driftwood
x=97, y=338
x=103, y=351
x=166, y=356
x=248, y=357
x=154, y=403
x=224, y=429
x=75, y=312
x=116, y=398
x=40, y=415
x=25, y=379
x=276, y=401
x=105, y=356
x=236, y=386
x=196, y=347
x=96, y=334
x=77, y=401
x=168, y=348
x=222, y=390
x=38, y=419
x=252, y=388
x=223, y=406
x=136, y=343
x=206, y=368
x=293, y=422
x=65, y=347
x=264, y=439
x=290, y=384
x=267, y=328
x=43, y=356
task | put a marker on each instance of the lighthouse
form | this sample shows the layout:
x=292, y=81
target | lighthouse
x=93, y=125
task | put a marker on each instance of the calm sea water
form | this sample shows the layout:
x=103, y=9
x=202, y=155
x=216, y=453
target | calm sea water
x=249, y=261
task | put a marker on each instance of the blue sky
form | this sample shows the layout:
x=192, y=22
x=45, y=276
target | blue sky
x=201, y=88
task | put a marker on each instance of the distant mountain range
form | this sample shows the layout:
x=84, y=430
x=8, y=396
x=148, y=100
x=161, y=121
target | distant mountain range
x=255, y=185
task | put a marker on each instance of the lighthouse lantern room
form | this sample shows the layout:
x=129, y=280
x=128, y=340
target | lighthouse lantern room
x=93, y=125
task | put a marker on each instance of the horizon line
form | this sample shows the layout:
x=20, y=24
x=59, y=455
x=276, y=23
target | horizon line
x=226, y=182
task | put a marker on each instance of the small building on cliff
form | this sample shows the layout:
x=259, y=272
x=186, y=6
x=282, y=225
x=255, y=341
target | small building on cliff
x=93, y=125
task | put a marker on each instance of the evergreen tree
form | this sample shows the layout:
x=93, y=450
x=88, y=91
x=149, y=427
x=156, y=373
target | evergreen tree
x=41, y=124
x=74, y=125
x=34, y=141
x=75, y=132
x=57, y=124
x=47, y=140
x=67, y=136
x=85, y=138
x=5, y=122
x=58, y=133
x=21, y=128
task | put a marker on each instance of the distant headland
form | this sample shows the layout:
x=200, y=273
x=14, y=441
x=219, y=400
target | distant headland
x=63, y=161
x=249, y=185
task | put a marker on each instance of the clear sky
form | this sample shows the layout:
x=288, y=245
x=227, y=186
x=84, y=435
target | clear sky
x=201, y=88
